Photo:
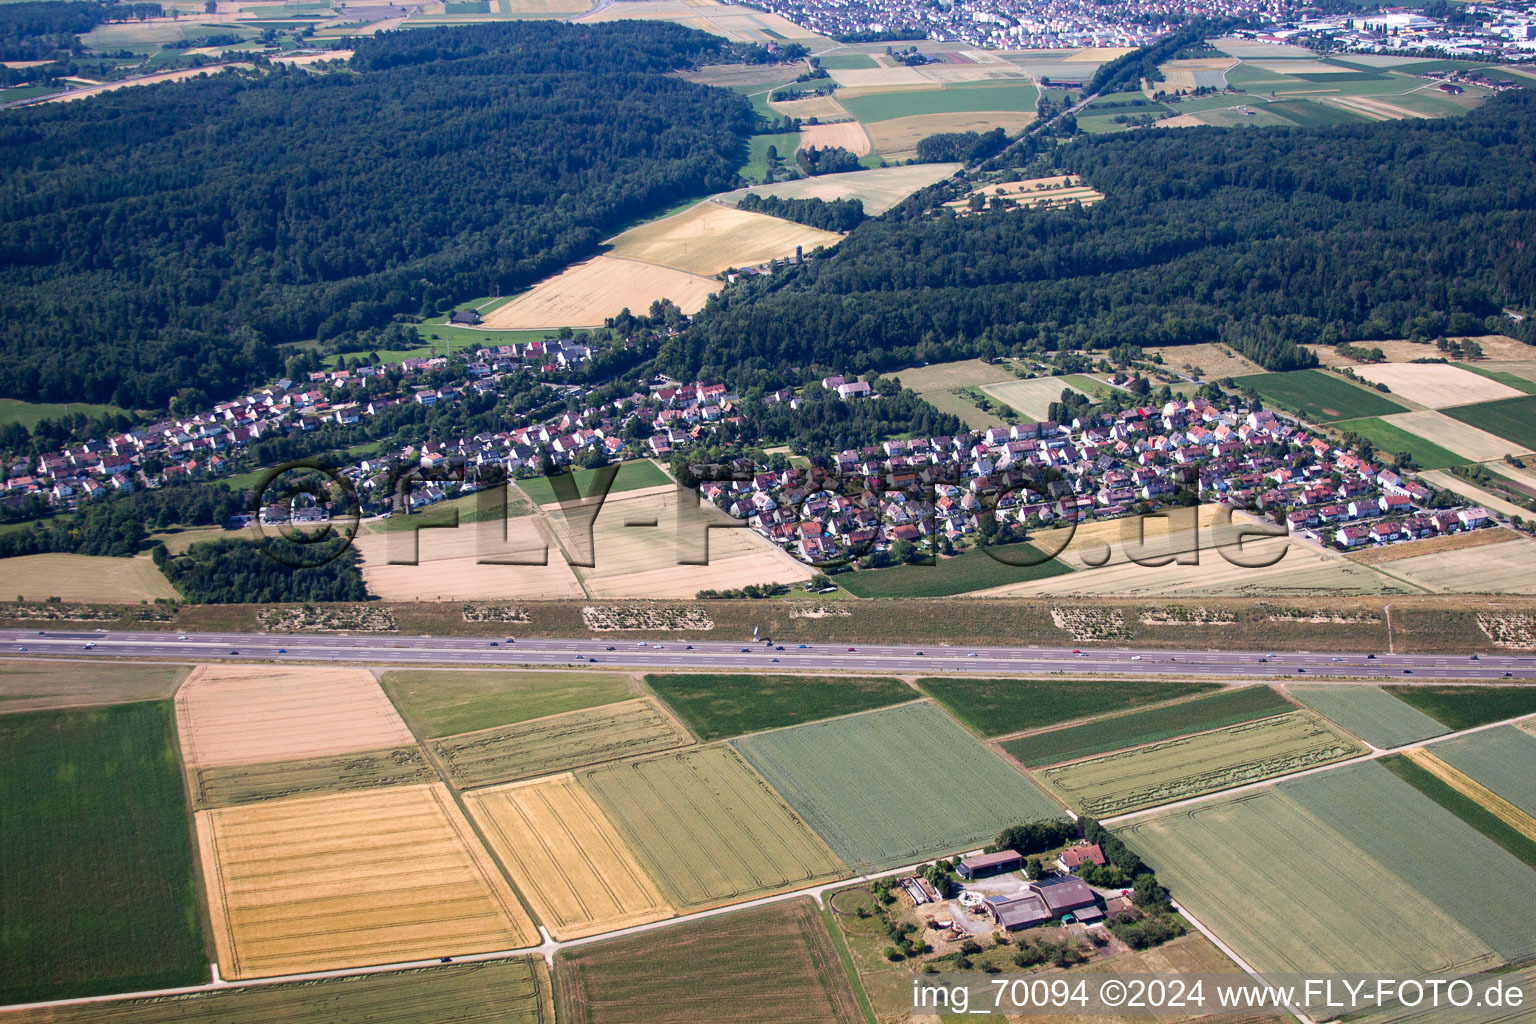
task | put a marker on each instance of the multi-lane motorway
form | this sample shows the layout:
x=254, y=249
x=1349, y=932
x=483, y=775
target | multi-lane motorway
x=511, y=650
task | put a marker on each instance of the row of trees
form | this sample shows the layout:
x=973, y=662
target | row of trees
x=840, y=215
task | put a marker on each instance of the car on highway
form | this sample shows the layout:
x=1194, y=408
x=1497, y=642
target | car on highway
x=973, y=654
x=494, y=644
x=1135, y=657
x=779, y=648
x=775, y=660
x=661, y=647
x=1301, y=670
x=688, y=648
x=1372, y=657
x=803, y=647
x=90, y=645
x=282, y=650
x=610, y=647
x=183, y=638
x=746, y=650
x=593, y=660
x=1338, y=659
x=642, y=643
x=1076, y=651
x=234, y=652
x=1473, y=658
x=1082, y=654
x=511, y=639
x=1407, y=671
x=853, y=650
x=1263, y=661
x=920, y=654
x=23, y=648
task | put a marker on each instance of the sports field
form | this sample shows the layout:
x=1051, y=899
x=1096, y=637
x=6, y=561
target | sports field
x=1031, y=399
x=32, y=685
x=710, y=237
x=708, y=828
x=88, y=578
x=1436, y=385
x=566, y=857
x=585, y=294
x=1370, y=713
x=1390, y=439
x=878, y=189
x=514, y=991
x=959, y=574
x=514, y=559
x=559, y=743
x=226, y=785
x=895, y=786
x=445, y=703
x=1513, y=419
x=1318, y=395
x=96, y=876
x=346, y=880
x=1229, y=707
x=996, y=707
x=1463, y=438
x=1466, y=707
x=228, y=714
x=771, y=964
x=1192, y=766
x=719, y=706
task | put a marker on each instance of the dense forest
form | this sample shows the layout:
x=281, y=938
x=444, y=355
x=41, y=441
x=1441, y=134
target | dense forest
x=159, y=239
x=1265, y=239
x=258, y=572
x=837, y=215
x=122, y=525
x=966, y=147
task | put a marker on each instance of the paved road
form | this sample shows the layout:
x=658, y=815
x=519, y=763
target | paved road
x=745, y=654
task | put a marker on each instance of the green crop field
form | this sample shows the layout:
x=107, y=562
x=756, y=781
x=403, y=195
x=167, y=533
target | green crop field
x=226, y=785
x=631, y=477
x=96, y=868
x=30, y=414
x=847, y=61
x=1462, y=707
x=1312, y=115
x=29, y=685
x=1390, y=439
x=895, y=786
x=559, y=743
x=1513, y=419
x=1416, y=838
x=1503, y=759
x=1291, y=894
x=501, y=991
x=436, y=703
x=954, y=99
x=708, y=829
x=1370, y=713
x=1192, y=766
x=961, y=574
x=1320, y=396
x=1229, y=707
x=720, y=706
x=1470, y=811
x=996, y=707
x=1513, y=380
x=770, y=964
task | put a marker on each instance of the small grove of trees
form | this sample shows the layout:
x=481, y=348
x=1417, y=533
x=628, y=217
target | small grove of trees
x=967, y=147
x=841, y=215
x=816, y=160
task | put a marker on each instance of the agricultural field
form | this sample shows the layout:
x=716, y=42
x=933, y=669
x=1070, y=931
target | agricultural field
x=1370, y=713
x=513, y=559
x=277, y=869
x=1504, y=568
x=1470, y=492
x=736, y=23
x=847, y=135
x=1411, y=549
x=635, y=475
x=96, y=874
x=559, y=743
x=1031, y=399
x=227, y=715
x=1517, y=374
x=514, y=991
x=708, y=828
x=961, y=373
x=227, y=785
x=710, y=237
x=1214, y=361
x=1475, y=804
x=566, y=857
x=960, y=574
x=1524, y=977
x=1318, y=395
x=88, y=578
x=1466, y=707
x=1247, y=867
x=445, y=703
x=1390, y=439
x=1466, y=440
x=1216, y=711
x=878, y=189
x=1435, y=385
x=895, y=786
x=897, y=139
x=478, y=507
x=648, y=559
x=1011, y=97
x=720, y=706
x=30, y=414
x=1191, y=766
x=775, y=963
x=588, y=293
x=1513, y=419
x=1059, y=190
x=997, y=707
x=1503, y=759
x=33, y=685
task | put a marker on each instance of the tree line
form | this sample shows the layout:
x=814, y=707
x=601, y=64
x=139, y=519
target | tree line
x=841, y=215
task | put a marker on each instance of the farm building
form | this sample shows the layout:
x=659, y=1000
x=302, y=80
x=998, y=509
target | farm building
x=1018, y=910
x=1065, y=895
x=985, y=865
x=1074, y=857
x=464, y=317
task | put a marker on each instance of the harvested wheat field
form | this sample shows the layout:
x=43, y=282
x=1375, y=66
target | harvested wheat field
x=239, y=715
x=88, y=578
x=898, y=138
x=1495, y=347
x=825, y=108
x=644, y=561
x=878, y=189
x=711, y=237
x=1032, y=398
x=1436, y=385
x=586, y=294
x=1461, y=438
x=1507, y=568
x=225, y=785
x=1099, y=54
x=1432, y=546
x=567, y=858
x=461, y=564
x=326, y=882
x=878, y=78
x=1214, y=361
x=847, y=134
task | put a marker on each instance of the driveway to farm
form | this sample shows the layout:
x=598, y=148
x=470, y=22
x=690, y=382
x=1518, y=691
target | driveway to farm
x=390, y=650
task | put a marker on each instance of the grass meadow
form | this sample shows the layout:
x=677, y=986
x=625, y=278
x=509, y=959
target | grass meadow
x=631, y=476
x=1391, y=439
x=961, y=574
x=436, y=703
x=1318, y=395
x=1463, y=707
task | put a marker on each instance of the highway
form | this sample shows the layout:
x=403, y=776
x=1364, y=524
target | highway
x=512, y=651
